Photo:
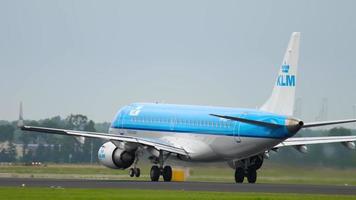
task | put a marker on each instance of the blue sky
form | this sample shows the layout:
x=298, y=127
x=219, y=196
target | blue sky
x=92, y=57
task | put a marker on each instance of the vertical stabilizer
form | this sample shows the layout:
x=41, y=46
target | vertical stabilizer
x=282, y=98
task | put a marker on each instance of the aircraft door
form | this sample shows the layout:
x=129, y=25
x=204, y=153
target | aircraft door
x=123, y=113
x=172, y=121
x=237, y=126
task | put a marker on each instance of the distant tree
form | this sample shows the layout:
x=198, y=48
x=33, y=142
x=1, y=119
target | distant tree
x=40, y=154
x=4, y=157
x=25, y=139
x=336, y=154
x=7, y=135
x=88, y=153
x=56, y=153
x=54, y=122
x=66, y=147
x=28, y=156
x=8, y=154
x=102, y=127
x=339, y=131
x=6, y=132
x=76, y=122
x=11, y=151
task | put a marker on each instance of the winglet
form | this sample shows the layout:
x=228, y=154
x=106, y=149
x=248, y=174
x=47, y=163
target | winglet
x=20, y=123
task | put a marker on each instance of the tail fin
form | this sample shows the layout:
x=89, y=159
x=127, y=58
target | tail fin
x=282, y=98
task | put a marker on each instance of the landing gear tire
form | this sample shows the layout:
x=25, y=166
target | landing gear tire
x=155, y=173
x=258, y=162
x=137, y=172
x=239, y=175
x=167, y=173
x=251, y=175
x=132, y=172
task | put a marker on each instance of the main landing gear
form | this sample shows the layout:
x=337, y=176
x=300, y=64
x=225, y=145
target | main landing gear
x=157, y=171
x=250, y=174
x=248, y=168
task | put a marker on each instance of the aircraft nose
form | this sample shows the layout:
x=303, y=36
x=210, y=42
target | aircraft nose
x=293, y=125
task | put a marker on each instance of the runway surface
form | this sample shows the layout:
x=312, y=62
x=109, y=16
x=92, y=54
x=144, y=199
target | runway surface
x=188, y=186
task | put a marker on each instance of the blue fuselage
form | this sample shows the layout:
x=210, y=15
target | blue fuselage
x=187, y=119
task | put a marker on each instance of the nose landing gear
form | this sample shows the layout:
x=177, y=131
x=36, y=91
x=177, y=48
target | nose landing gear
x=135, y=172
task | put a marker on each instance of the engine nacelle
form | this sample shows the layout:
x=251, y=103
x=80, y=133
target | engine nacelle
x=111, y=156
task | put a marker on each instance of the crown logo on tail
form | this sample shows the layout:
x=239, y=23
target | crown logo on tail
x=285, y=68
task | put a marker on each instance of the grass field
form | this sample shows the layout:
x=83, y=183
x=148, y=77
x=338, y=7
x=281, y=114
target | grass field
x=267, y=174
x=10, y=193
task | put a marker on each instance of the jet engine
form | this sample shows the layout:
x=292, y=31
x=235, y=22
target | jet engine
x=113, y=157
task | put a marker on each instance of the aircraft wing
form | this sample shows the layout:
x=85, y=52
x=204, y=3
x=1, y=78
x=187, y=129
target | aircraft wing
x=298, y=141
x=155, y=143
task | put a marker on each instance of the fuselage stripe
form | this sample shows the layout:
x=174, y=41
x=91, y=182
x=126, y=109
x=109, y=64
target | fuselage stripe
x=196, y=132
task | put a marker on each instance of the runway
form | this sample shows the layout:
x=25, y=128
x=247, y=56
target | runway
x=187, y=186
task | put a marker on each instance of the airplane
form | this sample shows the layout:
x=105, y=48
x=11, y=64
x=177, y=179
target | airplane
x=240, y=137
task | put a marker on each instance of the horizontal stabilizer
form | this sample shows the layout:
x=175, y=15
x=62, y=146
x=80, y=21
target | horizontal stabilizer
x=249, y=121
x=325, y=123
x=297, y=141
